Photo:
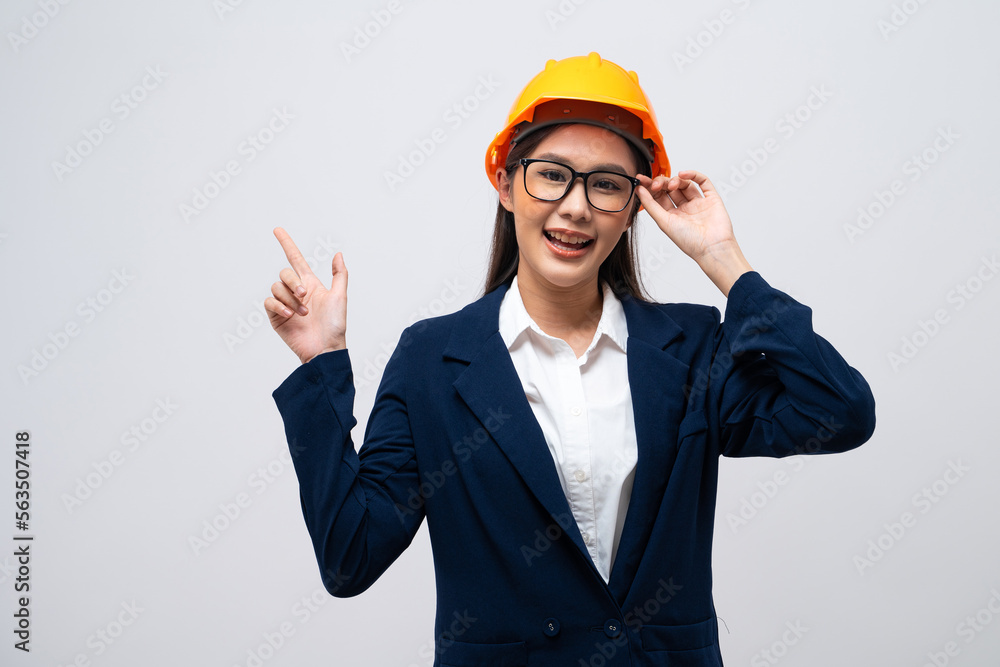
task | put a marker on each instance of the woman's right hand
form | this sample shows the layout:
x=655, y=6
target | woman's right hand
x=310, y=318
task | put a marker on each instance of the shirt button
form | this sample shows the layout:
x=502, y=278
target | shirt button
x=551, y=627
x=575, y=410
x=586, y=537
x=580, y=475
x=612, y=628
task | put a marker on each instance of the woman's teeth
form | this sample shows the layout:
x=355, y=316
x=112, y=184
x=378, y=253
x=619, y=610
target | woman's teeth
x=567, y=240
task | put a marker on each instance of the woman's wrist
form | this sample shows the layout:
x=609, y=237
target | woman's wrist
x=342, y=345
x=724, y=263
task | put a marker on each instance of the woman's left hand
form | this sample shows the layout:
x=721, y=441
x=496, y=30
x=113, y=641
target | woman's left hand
x=696, y=221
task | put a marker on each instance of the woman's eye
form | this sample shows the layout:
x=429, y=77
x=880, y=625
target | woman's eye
x=553, y=175
x=606, y=184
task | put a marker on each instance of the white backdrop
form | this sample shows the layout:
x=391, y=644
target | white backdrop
x=150, y=148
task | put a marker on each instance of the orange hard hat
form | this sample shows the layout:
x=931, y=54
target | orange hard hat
x=582, y=89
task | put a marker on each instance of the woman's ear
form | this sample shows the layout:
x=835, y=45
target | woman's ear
x=503, y=188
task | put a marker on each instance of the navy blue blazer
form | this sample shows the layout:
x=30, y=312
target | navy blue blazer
x=452, y=437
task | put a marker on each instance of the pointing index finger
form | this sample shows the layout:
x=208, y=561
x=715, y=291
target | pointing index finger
x=295, y=257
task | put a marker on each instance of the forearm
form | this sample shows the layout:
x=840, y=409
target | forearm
x=350, y=500
x=784, y=387
x=323, y=454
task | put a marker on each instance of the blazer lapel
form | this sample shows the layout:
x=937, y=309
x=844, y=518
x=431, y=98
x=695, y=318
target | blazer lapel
x=490, y=382
x=656, y=380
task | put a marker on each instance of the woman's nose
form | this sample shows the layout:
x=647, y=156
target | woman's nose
x=575, y=202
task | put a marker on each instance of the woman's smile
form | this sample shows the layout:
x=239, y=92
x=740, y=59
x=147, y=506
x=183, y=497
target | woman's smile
x=566, y=243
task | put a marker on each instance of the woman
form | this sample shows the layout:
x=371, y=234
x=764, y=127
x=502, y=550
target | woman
x=561, y=433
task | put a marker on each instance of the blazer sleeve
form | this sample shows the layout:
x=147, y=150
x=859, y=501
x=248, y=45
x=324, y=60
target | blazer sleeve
x=354, y=503
x=776, y=386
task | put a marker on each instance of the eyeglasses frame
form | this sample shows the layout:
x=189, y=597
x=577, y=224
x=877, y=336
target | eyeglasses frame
x=525, y=161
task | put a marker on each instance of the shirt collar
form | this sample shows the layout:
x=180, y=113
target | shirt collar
x=514, y=319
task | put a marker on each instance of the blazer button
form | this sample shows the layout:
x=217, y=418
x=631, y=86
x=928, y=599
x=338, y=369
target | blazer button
x=551, y=627
x=612, y=628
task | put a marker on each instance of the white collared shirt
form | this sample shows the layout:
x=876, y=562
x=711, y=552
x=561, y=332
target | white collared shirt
x=584, y=408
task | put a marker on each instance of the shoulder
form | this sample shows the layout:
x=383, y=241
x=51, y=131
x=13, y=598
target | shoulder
x=478, y=319
x=689, y=316
x=749, y=291
x=691, y=313
x=685, y=328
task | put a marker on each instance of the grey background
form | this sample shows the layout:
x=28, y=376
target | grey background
x=196, y=285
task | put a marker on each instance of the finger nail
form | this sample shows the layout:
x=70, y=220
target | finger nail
x=300, y=290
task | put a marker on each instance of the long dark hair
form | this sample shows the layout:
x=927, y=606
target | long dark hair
x=619, y=270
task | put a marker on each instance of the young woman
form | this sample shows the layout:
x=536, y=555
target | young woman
x=561, y=433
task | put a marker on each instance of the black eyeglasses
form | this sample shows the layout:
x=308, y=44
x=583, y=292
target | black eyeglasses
x=606, y=191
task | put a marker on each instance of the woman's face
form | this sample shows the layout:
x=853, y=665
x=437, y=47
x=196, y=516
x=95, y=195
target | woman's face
x=542, y=258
